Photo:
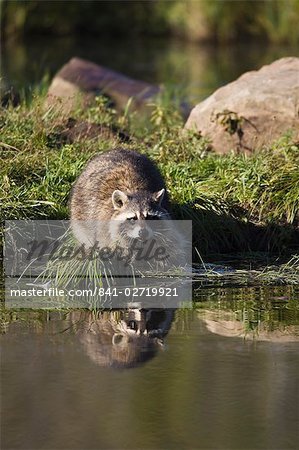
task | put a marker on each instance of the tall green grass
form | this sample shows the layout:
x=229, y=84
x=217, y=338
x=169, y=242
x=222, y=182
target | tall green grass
x=226, y=196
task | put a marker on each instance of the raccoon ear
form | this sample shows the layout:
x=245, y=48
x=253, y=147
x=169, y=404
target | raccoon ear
x=158, y=196
x=119, y=198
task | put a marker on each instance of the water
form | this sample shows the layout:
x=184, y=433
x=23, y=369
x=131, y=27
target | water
x=196, y=69
x=201, y=384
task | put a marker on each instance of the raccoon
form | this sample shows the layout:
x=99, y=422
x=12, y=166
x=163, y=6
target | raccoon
x=123, y=187
x=121, y=339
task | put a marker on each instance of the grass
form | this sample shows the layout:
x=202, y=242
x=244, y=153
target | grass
x=237, y=202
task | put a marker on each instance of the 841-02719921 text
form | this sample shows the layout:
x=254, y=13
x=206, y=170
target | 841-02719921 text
x=138, y=291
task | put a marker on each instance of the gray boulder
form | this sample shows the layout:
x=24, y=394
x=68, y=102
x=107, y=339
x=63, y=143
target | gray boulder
x=252, y=111
x=79, y=81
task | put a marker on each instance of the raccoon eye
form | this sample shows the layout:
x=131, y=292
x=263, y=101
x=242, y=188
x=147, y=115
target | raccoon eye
x=132, y=219
x=152, y=217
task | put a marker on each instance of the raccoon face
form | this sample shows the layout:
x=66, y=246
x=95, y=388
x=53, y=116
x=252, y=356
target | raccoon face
x=149, y=322
x=132, y=213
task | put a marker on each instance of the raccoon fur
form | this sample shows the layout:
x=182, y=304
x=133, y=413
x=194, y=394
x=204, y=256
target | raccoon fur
x=123, y=187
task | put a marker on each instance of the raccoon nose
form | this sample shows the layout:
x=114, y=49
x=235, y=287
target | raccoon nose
x=143, y=233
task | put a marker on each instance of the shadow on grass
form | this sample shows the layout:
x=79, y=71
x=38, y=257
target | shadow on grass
x=218, y=232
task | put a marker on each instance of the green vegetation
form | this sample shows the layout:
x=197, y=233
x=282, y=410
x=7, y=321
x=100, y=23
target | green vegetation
x=204, y=20
x=237, y=202
x=226, y=21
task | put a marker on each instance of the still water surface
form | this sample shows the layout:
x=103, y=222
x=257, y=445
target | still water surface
x=196, y=69
x=223, y=375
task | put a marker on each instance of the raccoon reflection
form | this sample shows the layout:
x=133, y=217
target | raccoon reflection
x=122, y=187
x=121, y=339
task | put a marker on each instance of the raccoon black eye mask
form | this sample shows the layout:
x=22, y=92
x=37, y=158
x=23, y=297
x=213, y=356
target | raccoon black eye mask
x=134, y=219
